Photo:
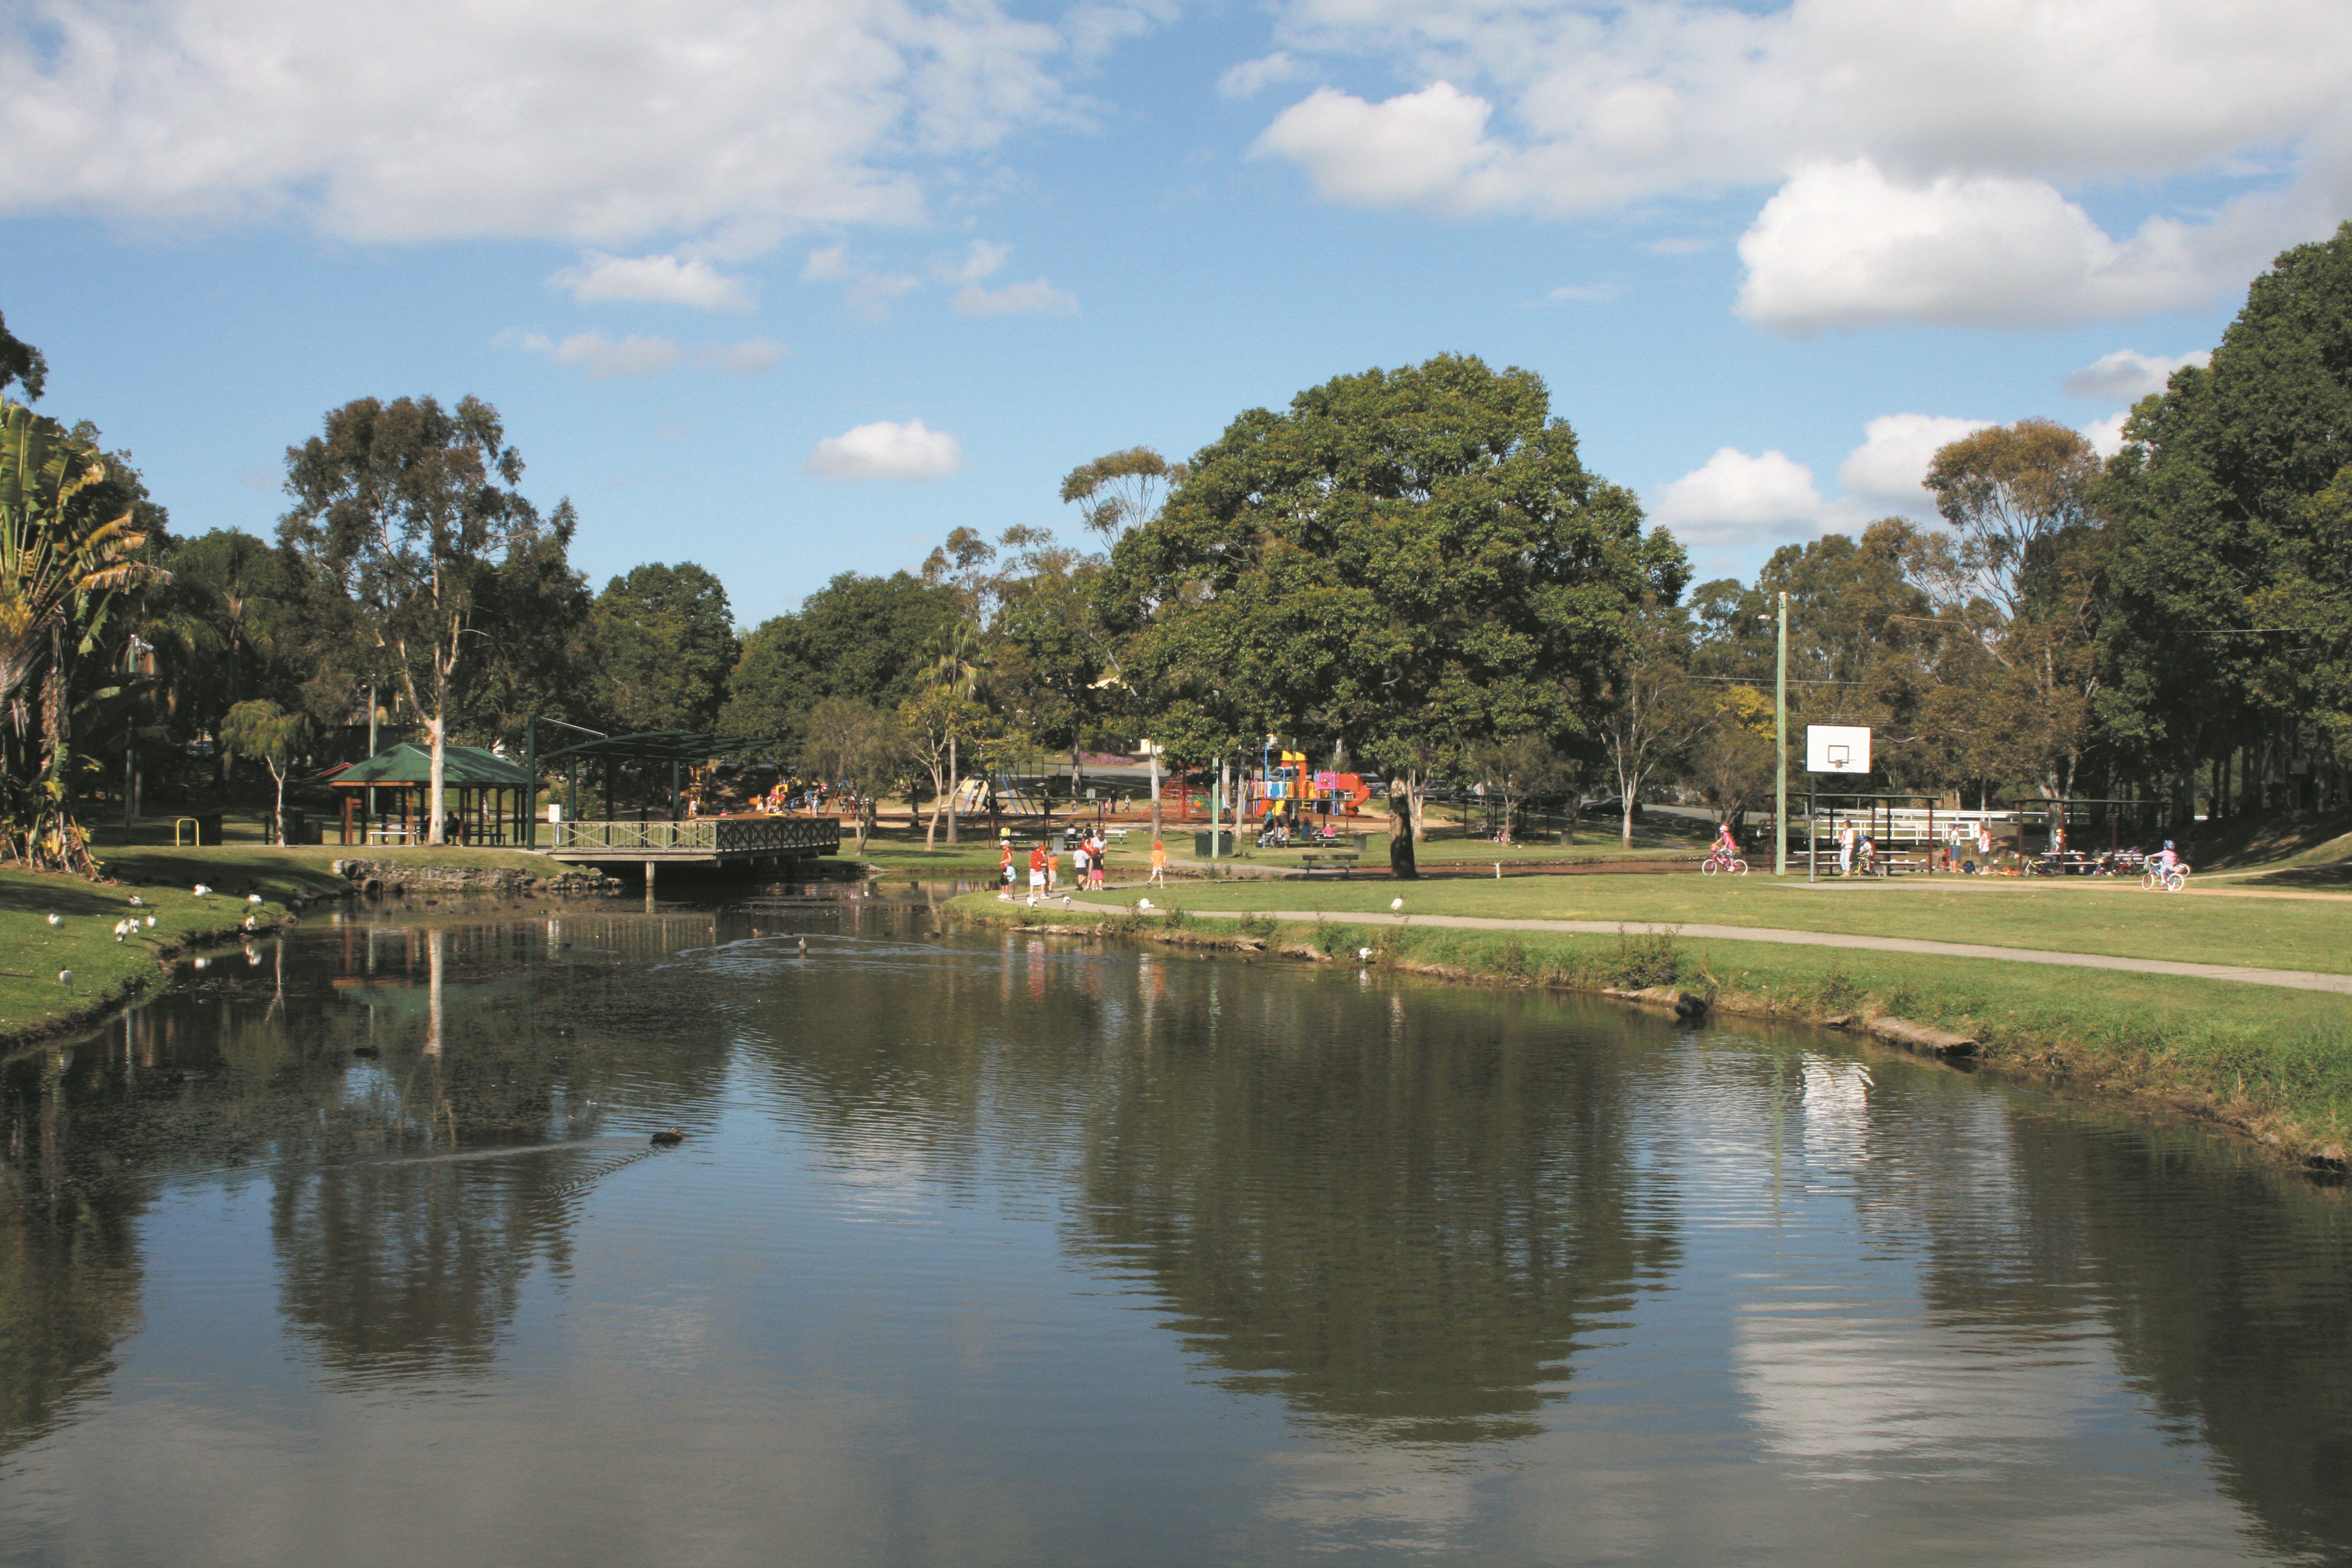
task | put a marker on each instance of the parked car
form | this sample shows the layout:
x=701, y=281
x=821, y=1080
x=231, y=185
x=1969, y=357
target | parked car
x=1613, y=807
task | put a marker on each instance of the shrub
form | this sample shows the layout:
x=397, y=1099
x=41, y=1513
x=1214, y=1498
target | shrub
x=1652, y=959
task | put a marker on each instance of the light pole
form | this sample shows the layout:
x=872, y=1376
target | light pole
x=1780, y=750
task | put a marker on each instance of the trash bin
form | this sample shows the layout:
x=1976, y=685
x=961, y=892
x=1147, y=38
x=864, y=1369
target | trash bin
x=208, y=828
x=297, y=827
x=1209, y=843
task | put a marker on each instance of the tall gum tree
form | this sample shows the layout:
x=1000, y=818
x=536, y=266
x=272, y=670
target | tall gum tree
x=1408, y=562
x=407, y=508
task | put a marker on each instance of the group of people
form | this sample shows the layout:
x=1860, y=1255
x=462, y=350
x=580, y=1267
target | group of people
x=1087, y=857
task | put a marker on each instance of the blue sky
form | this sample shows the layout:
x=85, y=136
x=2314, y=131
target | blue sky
x=1729, y=237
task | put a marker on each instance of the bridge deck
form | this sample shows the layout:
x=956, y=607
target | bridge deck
x=708, y=840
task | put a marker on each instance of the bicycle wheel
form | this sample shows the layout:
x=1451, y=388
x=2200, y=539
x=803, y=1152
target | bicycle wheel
x=1739, y=867
x=2175, y=882
x=1707, y=866
x=2148, y=880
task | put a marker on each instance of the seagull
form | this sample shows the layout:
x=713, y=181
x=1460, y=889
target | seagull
x=250, y=923
x=65, y=978
x=253, y=898
x=202, y=892
x=803, y=947
x=151, y=922
x=1143, y=903
x=1363, y=955
x=1395, y=905
x=55, y=920
x=136, y=902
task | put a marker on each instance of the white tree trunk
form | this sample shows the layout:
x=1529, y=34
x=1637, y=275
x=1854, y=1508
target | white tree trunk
x=954, y=783
x=437, y=729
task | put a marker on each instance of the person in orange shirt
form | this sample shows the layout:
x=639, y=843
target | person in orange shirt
x=1037, y=869
x=1158, y=864
x=1004, y=862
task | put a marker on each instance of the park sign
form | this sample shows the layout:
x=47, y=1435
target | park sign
x=1837, y=749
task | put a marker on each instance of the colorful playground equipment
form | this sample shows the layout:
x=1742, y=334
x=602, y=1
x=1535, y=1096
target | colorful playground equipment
x=1287, y=786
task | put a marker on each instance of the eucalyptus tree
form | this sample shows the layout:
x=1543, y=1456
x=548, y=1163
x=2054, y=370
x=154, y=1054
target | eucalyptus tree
x=1405, y=563
x=1120, y=491
x=408, y=509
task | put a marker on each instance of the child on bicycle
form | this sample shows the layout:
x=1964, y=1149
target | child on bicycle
x=1727, y=849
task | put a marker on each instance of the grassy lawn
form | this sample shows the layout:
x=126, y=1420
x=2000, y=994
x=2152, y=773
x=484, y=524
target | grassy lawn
x=32, y=951
x=898, y=849
x=2109, y=918
x=2275, y=1062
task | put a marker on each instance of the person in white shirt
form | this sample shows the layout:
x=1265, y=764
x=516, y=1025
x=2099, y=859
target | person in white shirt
x=1846, y=850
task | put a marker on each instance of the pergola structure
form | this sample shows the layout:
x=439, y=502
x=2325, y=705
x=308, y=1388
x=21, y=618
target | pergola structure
x=681, y=748
x=488, y=797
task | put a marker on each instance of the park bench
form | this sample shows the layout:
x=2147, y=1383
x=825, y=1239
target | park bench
x=1342, y=861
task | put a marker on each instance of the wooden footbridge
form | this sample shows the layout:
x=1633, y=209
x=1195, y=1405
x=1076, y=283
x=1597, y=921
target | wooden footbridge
x=696, y=841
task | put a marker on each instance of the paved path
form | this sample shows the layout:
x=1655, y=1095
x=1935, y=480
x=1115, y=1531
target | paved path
x=2291, y=979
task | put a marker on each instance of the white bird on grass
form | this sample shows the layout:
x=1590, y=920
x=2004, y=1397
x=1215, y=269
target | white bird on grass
x=1143, y=903
x=151, y=922
x=136, y=902
x=1363, y=955
x=202, y=892
x=253, y=898
x=65, y=978
x=1395, y=905
x=55, y=920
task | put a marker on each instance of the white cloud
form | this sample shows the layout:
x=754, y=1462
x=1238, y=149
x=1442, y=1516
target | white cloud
x=1844, y=245
x=980, y=259
x=1419, y=149
x=1894, y=134
x=870, y=292
x=1037, y=298
x=1895, y=450
x=887, y=450
x=2127, y=375
x=1733, y=497
x=654, y=280
x=983, y=260
x=753, y=356
x=601, y=358
x=1251, y=78
x=600, y=121
x=2106, y=436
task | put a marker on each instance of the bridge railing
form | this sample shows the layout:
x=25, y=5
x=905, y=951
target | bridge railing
x=706, y=835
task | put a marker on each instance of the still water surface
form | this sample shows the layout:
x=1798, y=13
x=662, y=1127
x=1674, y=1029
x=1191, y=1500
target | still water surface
x=990, y=1249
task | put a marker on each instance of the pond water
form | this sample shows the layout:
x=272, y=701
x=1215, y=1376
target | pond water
x=998, y=1249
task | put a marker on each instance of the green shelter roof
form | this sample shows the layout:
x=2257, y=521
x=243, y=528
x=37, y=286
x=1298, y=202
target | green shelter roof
x=406, y=762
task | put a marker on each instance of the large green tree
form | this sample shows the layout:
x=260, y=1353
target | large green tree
x=665, y=639
x=1402, y=564
x=2231, y=623
x=857, y=636
x=409, y=511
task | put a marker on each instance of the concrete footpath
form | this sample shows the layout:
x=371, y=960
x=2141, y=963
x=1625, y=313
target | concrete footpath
x=2291, y=979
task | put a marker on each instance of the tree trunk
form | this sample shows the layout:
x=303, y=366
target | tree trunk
x=1155, y=794
x=437, y=727
x=278, y=815
x=1401, y=863
x=954, y=783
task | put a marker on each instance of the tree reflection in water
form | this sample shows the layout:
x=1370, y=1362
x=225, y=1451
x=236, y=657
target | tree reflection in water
x=1403, y=1221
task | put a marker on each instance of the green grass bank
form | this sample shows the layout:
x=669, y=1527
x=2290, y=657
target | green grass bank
x=2095, y=916
x=2274, y=1065
x=35, y=1004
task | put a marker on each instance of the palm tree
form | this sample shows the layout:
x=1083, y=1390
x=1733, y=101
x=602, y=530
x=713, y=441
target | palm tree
x=62, y=560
